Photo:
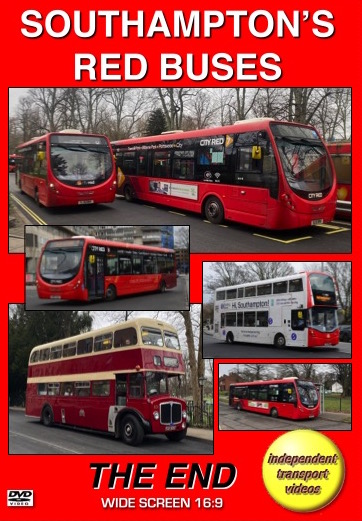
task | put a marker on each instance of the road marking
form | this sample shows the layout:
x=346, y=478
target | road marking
x=149, y=206
x=28, y=210
x=44, y=442
x=280, y=240
x=177, y=213
x=338, y=231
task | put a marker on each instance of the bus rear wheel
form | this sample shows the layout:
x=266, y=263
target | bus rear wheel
x=214, y=210
x=111, y=292
x=229, y=338
x=176, y=436
x=131, y=430
x=274, y=413
x=279, y=340
x=47, y=416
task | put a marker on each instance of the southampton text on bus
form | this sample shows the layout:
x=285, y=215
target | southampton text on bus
x=261, y=172
x=67, y=168
x=341, y=154
x=287, y=397
x=298, y=310
x=86, y=268
x=120, y=379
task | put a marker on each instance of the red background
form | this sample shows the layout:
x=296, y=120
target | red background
x=63, y=484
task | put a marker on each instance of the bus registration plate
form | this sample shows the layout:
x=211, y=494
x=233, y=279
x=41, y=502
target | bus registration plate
x=87, y=201
x=170, y=428
x=55, y=297
x=317, y=221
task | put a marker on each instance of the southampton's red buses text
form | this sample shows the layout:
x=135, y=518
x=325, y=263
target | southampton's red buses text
x=120, y=379
x=67, y=168
x=287, y=397
x=85, y=268
x=261, y=172
x=297, y=310
x=341, y=154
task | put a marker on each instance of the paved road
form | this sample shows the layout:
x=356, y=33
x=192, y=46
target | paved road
x=31, y=437
x=213, y=348
x=204, y=236
x=230, y=420
x=173, y=299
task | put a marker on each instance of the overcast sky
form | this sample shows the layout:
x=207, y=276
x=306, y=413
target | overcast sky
x=14, y=97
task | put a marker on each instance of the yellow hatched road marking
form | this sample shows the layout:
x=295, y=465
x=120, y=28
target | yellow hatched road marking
x=28, y=210
x=280, y=240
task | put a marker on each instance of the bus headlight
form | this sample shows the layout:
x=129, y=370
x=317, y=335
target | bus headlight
x=156, y=415
x=184, y=415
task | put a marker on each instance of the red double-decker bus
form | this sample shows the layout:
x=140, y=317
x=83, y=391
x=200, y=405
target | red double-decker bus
x=86, y=268
x=262, y=172
x=120, y=379
x=67, y=168
x=341, y=154
x=14, y=160
x=287, y=397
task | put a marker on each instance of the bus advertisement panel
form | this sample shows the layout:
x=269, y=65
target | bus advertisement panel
x=67, y=168
x=261, y=172
x=86, y=268
x=297, y=310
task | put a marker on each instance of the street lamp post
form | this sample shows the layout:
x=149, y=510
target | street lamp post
x=201, y=385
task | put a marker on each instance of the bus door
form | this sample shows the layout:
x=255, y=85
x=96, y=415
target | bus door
x=95, y=266
x=288, y=400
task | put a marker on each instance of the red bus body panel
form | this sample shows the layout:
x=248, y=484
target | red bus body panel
x=341, y=153
x=244, y=204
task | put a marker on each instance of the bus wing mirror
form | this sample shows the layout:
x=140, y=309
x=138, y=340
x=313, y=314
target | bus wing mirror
x=256, y=152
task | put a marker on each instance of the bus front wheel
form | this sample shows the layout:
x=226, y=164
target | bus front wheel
x=214, y=210
x=162, y=286
x=279, y=340
x=111, y=292
x=47, y=417
x=131, y=430
x=274, y=413
x=229, y=338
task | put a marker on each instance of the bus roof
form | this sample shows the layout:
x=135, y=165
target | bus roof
x=276, y=279
x=251, y=124
x=69, y=132
x=136, y=322
x=114, y=244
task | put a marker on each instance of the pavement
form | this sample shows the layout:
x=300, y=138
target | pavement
x=17, y=221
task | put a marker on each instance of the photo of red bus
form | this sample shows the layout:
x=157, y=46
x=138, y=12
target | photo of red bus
x=14, y=160
x=67, y=168
x=286, y=398
x=341, y=154
x=260, y=172
x=121, y=379
x=85, y=268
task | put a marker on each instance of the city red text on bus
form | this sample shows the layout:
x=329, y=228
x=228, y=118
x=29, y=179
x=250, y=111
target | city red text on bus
x=287, y=397
x=121, y=379
x=260, y=172
x=85, y=268
x=67, y=168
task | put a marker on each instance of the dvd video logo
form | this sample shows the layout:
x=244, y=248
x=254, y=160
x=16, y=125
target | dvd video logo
x=20, y=498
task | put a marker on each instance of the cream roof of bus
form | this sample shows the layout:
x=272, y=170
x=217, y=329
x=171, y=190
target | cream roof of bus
x=136, y=323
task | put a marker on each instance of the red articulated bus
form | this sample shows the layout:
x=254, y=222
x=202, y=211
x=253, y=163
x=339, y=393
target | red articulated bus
x=119, y=379
x=67, y=168
x=341, y=154
x=86, y=268
x=265, y=173
x=287, y=397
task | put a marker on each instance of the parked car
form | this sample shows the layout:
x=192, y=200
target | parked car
x=345, y=333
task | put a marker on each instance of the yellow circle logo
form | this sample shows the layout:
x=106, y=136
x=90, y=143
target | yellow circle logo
x=303, y=470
